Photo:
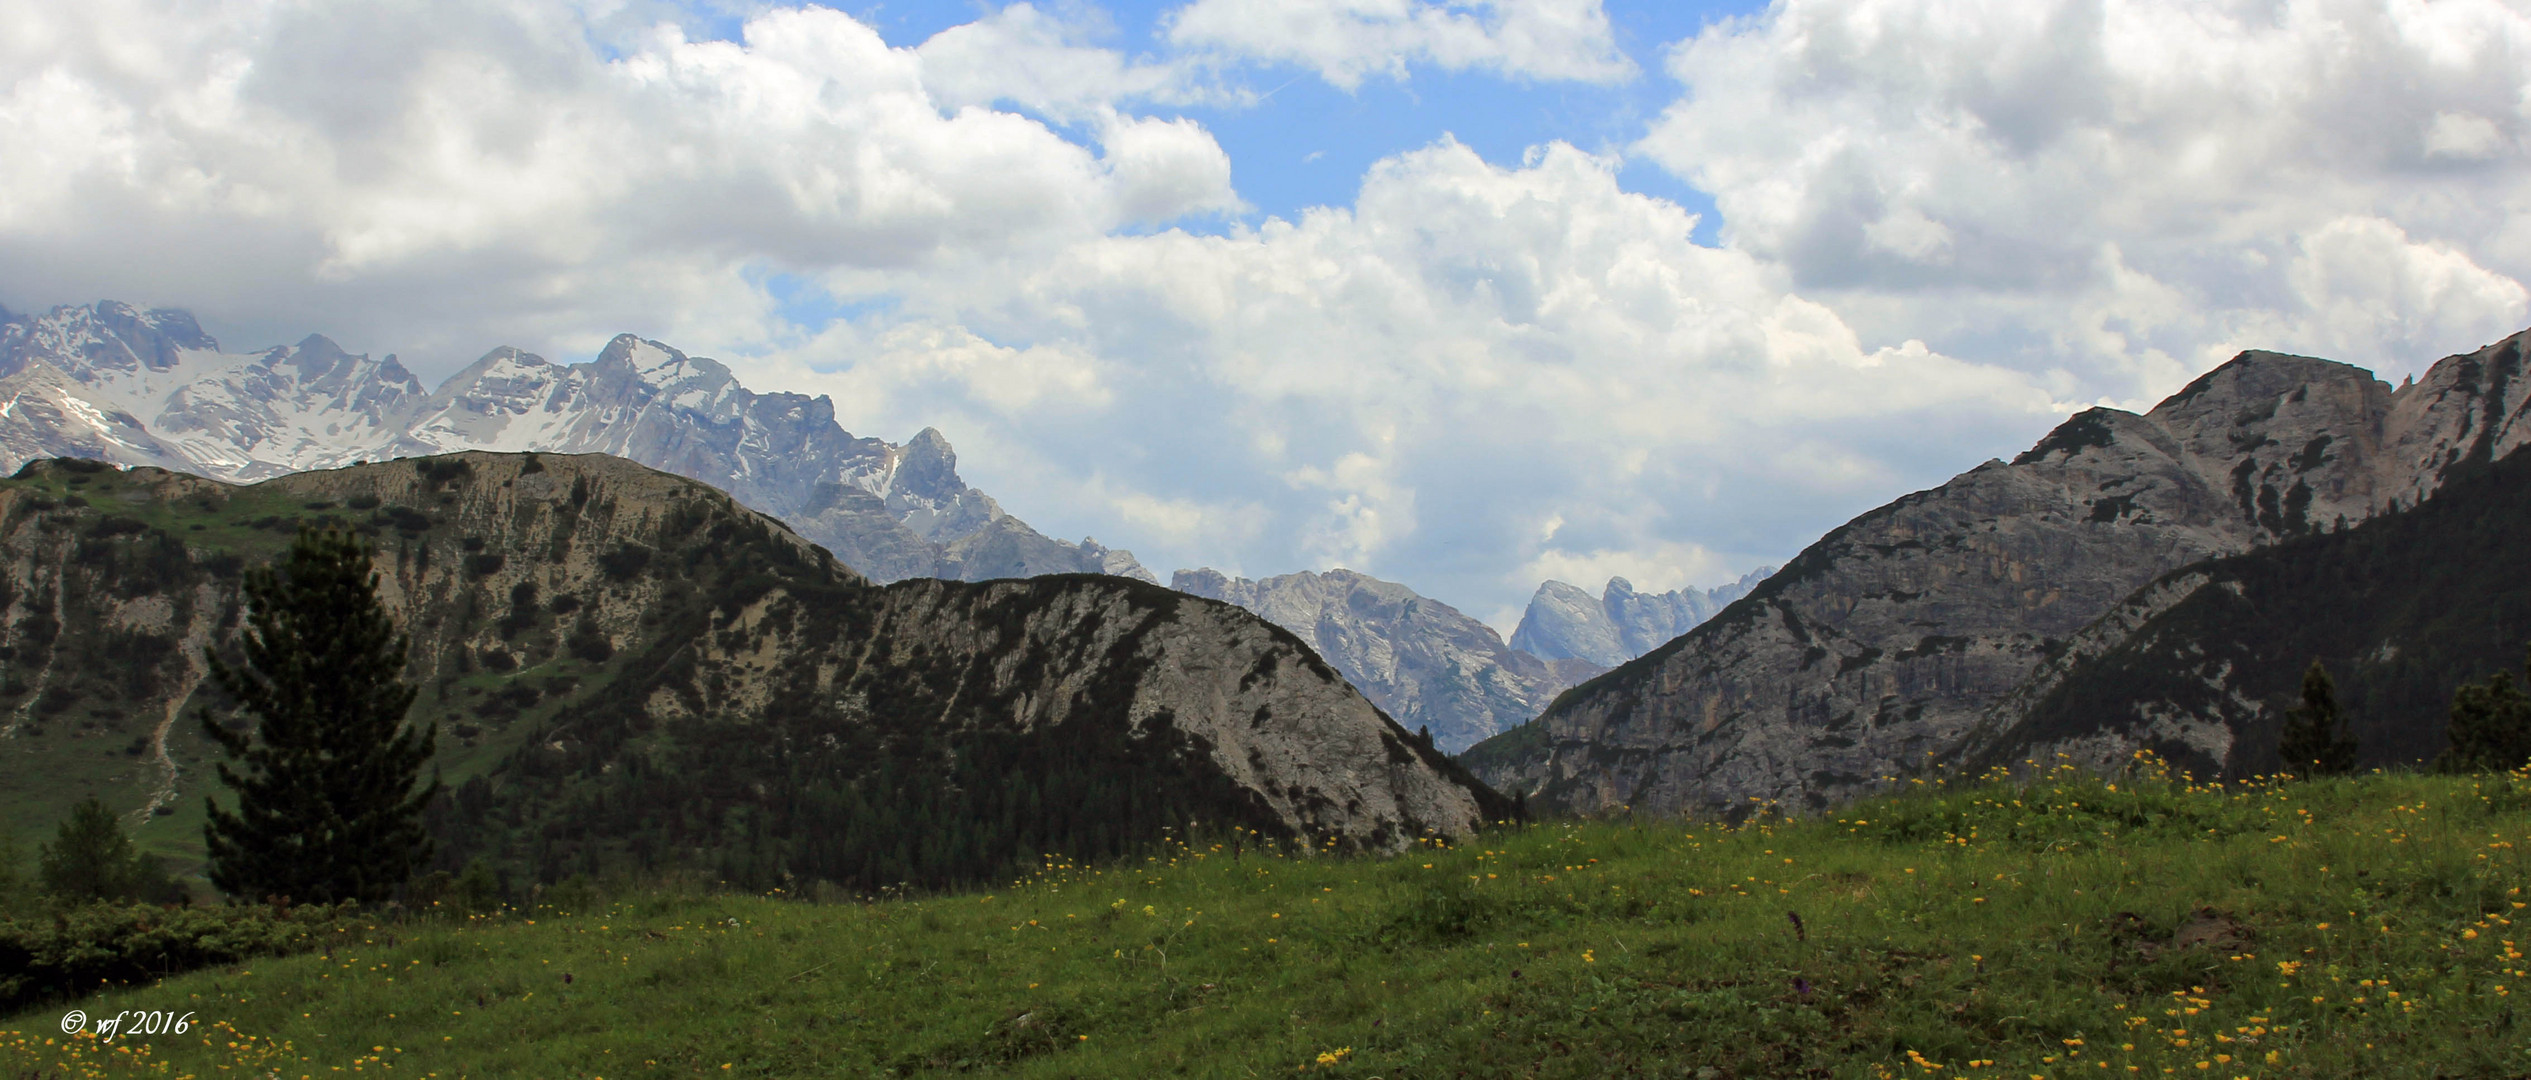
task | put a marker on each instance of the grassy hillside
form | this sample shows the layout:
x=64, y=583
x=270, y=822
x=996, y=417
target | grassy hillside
x=119, y=580
x=2059, y=928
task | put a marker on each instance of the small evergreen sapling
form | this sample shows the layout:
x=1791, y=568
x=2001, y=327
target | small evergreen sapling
x=2491, y=726
x=90, y=859
x=327, y=803
x=2315, y=741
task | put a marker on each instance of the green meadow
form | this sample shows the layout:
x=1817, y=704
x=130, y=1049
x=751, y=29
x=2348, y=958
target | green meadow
x=2056, y=926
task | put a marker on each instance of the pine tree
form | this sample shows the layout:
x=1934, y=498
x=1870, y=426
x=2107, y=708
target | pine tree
x=2491, y=726
x=327, y=803
x=2314, y=741
x=90, y=859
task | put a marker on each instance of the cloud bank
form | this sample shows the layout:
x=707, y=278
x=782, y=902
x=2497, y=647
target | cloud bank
x=2126, y=190
x=1944, y=223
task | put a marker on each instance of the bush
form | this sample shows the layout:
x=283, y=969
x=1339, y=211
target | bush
x=2491, y=727
x=586, y=643
x=76, y=951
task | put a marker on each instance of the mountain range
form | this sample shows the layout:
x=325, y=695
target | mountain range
x=1912, y=635
x=604, y=640
x=111, y=382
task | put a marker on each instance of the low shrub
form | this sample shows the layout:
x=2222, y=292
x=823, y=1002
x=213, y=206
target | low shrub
x=79, y=949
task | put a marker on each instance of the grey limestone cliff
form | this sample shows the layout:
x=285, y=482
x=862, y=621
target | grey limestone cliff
x=1880, y=647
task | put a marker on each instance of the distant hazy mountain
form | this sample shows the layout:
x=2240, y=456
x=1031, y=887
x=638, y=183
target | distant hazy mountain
x=1880, y=648
x=1421, y=660
x=109, y=382
x=1563, y=622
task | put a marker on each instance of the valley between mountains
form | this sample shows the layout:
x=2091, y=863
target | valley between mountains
x=666, y=623
x=110, y=382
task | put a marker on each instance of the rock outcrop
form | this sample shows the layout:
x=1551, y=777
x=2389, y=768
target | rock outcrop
x=112, y=383
x=1565, y=623
x=1423, y=661
x=632, y=666
x=1879, y=648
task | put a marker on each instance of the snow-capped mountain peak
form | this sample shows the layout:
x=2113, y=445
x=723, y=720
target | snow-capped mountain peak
x=116, y=383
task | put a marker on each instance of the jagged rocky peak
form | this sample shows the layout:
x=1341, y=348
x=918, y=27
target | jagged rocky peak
x=927, y=468
x=103, y=337
x=567, y=612
x=1563, y=622
x=108, y=382
x=320, y=366
x=1891, y=636
x=1206, y=582
x=1423, y=661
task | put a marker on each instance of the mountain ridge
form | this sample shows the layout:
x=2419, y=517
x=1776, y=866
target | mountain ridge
x=633, y=670
x=1880, y=646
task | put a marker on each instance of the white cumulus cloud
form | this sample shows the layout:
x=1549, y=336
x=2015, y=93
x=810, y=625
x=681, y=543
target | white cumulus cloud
x=449, y=176
x=1346, y=41
x=2182, y=178
x=1024, y=55
x=1944, y=223
x=1408, y=386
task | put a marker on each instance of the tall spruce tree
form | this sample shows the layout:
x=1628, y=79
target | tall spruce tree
x=329, y=802
x=2491, y=726
x=2315, y=741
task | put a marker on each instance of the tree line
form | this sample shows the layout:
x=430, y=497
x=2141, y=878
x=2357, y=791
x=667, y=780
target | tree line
x=2490, y=727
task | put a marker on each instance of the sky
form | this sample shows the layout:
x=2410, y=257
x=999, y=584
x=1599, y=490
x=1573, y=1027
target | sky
x=1463, y=294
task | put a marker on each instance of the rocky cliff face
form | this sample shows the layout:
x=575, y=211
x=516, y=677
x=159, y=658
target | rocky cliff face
x=632, y=666
x=1565, y=623
x=1421, y=660
x=1879, y=648
x=112, y=383
x=2200, y=666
